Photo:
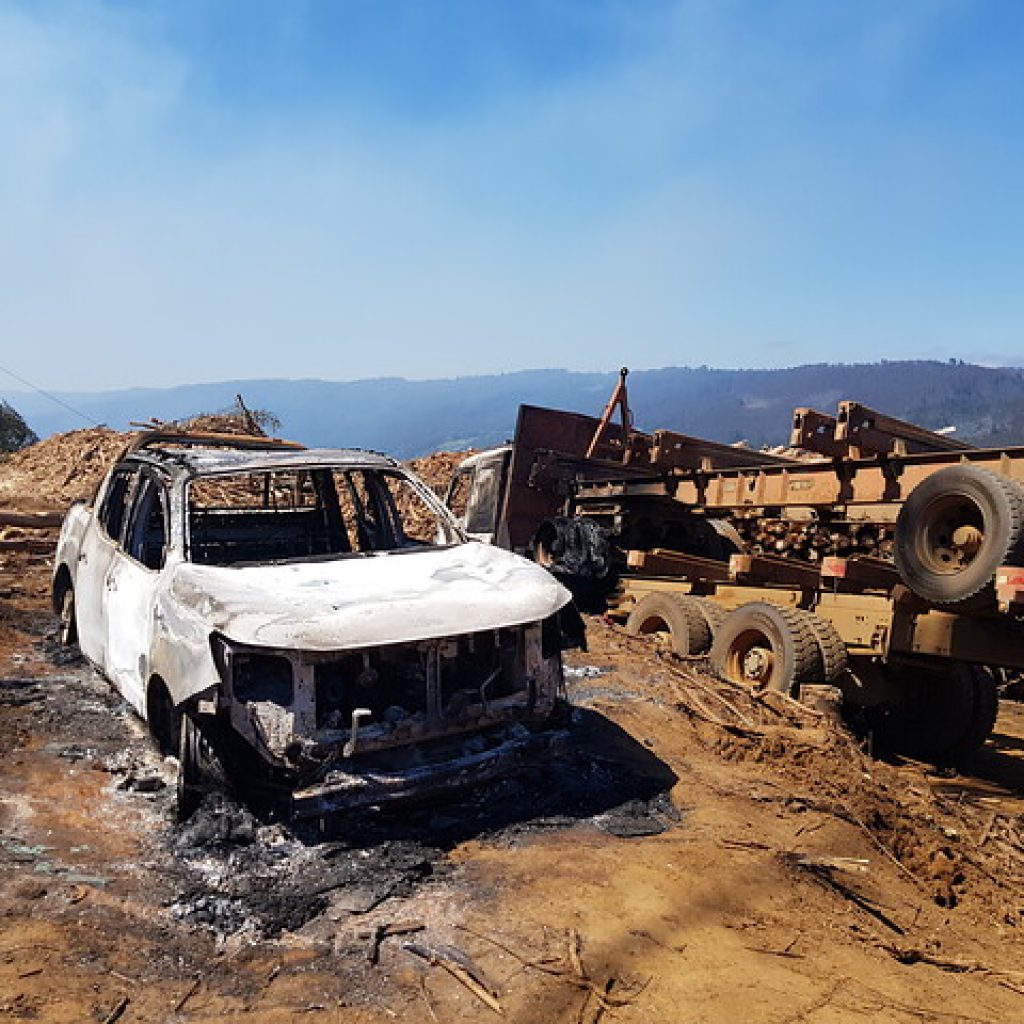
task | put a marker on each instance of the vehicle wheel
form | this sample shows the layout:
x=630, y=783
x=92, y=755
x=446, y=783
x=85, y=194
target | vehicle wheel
x=954, y=530
x=714, y=614
x=834, y=657
x=677, y=615
x=767, y=648
x=201, y=767
x=943, y=716
x=983, y=715
x=67, y=629
x=162, y=718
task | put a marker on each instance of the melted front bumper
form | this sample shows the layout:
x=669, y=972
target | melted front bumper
x=345, y=790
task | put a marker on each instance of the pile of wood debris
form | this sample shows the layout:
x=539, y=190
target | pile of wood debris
x=62, y=469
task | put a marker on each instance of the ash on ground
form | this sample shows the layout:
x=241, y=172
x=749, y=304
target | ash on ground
x=237, y=874
x=227, y=870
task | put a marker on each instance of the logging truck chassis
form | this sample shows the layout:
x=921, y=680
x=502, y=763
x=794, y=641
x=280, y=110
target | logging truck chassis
x=924, y=680
x=924, y=634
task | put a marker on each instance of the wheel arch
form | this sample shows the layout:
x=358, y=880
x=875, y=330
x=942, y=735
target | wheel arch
x=62, y=582
x=162, y=715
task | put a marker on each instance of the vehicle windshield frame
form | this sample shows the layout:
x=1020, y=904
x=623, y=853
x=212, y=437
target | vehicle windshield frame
x=426, y=494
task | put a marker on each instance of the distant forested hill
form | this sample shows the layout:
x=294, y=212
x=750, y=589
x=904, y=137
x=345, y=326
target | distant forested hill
x=410, y=418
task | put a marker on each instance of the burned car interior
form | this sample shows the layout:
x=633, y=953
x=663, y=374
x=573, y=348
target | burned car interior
x=280, y=515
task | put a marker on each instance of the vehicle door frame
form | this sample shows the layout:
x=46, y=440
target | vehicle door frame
x=95, y=554
x=130, y=592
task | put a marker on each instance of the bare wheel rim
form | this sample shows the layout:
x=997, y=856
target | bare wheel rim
x=952, y=534
x=751, y=659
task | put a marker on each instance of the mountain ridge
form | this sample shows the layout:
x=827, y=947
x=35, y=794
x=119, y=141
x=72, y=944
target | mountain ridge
x=409, y=418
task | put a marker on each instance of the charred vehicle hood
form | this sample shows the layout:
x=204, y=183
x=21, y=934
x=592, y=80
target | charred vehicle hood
x=369, y=600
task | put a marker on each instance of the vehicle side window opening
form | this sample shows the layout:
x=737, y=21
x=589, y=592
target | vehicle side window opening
x=416, y=522
x=115, y=502
x=458, y=493
x=147, y=534
x=371, y=517
x=482, y=506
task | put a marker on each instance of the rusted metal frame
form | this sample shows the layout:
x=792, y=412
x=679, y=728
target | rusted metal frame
x=814, y=431
x=670, y=450
x=864, y=621
x=663, y=562
x=774, y=569
x=884, y=480
x=874, y=433
x=619, y=400
x=208, y=439
x=997, y=641
x=554, y=442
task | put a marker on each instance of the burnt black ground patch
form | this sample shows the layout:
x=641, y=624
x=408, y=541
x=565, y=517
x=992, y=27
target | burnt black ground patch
x=229, y=870
x=236, y=873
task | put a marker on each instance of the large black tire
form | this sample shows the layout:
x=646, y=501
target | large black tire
x=943, y=716
x=767, y=648
x=677, y=615
x=983, y=716
x=714, y=614
x=834, y=657
x=163, y=719
x=573, y=547
x=954, y=530
x=201, y=767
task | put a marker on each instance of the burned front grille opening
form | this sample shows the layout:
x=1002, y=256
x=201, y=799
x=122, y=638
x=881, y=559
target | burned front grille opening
x=263, y=677
x=398, y=682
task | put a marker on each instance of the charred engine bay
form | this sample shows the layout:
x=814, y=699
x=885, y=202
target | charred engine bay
x=231, y=871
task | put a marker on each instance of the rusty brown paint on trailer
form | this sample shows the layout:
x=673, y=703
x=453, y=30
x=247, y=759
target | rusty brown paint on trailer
x=877, y=485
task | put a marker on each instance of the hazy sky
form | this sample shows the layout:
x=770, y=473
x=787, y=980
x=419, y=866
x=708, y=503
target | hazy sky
x=206, y=189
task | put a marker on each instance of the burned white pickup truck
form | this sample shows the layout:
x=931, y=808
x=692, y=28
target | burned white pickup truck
x=309, y=622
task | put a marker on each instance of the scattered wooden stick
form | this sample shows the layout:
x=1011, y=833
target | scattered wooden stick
x=691, y=680
x=385, y=931
x=824, y=874
x=852, y=817
x=460, y=967
x=576, y=954
x=573, y=971
x=192, y=989
x=117, y=1012
x=744, y=844
x=855, y=864
x=426, y=999
x=987, y=830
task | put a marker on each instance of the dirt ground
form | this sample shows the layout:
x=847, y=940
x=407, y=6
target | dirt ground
x=694, y=855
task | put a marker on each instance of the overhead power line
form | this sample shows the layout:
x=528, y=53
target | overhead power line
x=52, y=398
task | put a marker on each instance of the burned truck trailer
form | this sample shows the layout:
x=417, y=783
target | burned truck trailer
x=663, y=527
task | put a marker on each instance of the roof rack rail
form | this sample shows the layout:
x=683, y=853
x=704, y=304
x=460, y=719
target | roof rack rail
x=208, y=439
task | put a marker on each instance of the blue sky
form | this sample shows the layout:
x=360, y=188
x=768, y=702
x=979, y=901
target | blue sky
x=207, y=189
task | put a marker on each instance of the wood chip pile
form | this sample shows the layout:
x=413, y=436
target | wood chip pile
x=63, y=468
x=436, y=470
